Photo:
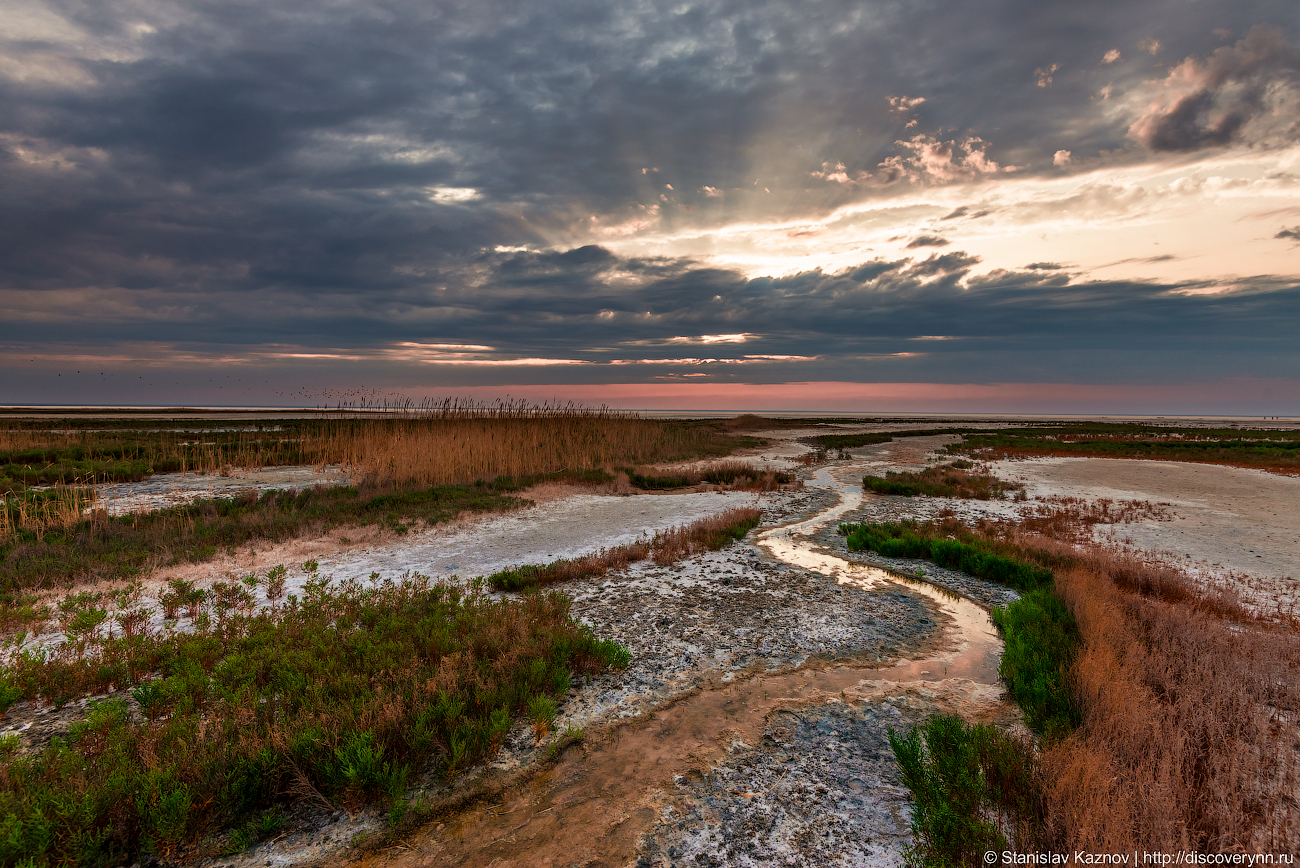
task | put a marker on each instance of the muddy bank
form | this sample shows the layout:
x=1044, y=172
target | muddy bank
x=1230, y=526
x=713, y=692
x=819, y=788
x=457, y=551
x=1229, y=519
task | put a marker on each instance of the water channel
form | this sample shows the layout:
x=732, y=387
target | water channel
x=592, y=806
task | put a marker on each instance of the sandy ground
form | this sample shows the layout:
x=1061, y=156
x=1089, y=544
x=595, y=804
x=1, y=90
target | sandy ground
x=1228, y=518
x=175, y=489
x=1228, y=525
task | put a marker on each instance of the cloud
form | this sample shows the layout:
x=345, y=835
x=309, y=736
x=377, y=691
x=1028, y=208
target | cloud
x=1248, y=92
x=453, y=194
x=905, y=104
x=1045, y=74
x=1061, y=158
x=335, y=178
x=927, y=241
x=1149, y=45
x=679, y=340
x=1111, y=56
x=934, y=160
x=570, y=317
x=1293, y=233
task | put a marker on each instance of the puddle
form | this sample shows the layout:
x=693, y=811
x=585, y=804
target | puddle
x=594, y=804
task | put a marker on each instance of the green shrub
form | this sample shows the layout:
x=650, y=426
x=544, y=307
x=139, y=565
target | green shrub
x=906, y=540
x=345, y=691
x=1041, y=638
x=960, y=776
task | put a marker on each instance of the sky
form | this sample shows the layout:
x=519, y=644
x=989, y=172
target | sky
x=935, y=206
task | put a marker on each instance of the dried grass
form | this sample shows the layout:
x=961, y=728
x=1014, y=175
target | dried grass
x=61, y=508
x=727, y=475
x=1190, y=735
x=666, y=547
x=1073, y=518
x=428, y=452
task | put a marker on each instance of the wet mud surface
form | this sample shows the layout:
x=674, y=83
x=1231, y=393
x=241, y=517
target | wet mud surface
x=820, y=788
x=764, y=681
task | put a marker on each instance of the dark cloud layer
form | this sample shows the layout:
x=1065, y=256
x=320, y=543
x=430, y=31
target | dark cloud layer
x=297, y=174
x=1255, y=82
x=623, y=319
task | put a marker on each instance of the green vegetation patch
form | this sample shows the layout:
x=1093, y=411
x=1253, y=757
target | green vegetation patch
x=1041, y=638
x=849, y=441
x=1264, y=448
x=972, y=556
x=953, y=479
x=342, y=696
x=961, y=776
x=103, y=548
x=81, y=450
x=1041, y=635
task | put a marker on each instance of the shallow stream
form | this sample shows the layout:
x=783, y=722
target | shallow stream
x=594, y=806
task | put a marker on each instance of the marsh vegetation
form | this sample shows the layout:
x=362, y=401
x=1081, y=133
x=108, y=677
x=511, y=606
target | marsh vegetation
x=248, y=695
x=1168, y=717
x=347, y=695
x=665, y=547
x=1272, y=449
x=958, y=478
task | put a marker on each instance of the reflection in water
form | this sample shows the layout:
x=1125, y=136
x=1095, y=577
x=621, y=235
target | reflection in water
x=978, y=648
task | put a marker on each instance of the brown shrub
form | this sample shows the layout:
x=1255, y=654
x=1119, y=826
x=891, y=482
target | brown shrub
x=1189, y=723
x=703, y=535
x=665, y=547
x=1191, y=709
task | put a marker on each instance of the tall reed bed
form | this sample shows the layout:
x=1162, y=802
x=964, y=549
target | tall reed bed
x=407, y=444
x=40, y=512
x=439, y=451
x=1190, y=736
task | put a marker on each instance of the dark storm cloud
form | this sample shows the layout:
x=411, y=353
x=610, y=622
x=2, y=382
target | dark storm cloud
x=344, y=174
x=1255, y=82
x=607, y=312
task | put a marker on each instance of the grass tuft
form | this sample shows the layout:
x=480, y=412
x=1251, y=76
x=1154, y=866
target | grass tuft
x=973, y=788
